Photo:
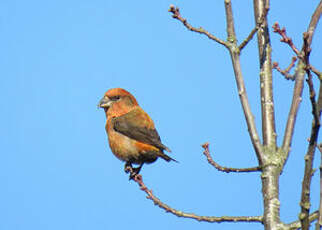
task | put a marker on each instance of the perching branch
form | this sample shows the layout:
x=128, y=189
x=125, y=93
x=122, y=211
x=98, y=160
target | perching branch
x=176, y=14
x=286, y=71
x=151, y=196
x=226, y=169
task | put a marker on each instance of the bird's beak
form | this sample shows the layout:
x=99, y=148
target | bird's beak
x=104, y=103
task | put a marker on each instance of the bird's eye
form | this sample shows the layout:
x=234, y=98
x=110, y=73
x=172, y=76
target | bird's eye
x=115, y=98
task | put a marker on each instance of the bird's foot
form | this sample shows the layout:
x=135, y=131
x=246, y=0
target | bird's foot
x=132, y=175
x=128, y=167
x=132, y=171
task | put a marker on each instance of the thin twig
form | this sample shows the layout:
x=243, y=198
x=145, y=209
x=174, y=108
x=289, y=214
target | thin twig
x=250, y=219
x=253, y=31
x=291, y=64
x=319, y=146
x=285, y=38
x=206, y=152
x=316, y=72
x=176, y=14
x=248, y=38
x=286, y=71
x=315, y=111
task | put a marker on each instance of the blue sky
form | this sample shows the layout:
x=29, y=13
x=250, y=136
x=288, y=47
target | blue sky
x=59, y=57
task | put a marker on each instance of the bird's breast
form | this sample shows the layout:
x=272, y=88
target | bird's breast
x=122, y=146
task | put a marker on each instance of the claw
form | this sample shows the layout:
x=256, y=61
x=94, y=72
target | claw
x=128, y=169
x=133, y=171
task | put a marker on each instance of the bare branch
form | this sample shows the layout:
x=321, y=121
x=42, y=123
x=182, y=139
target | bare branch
x=231, y=45
x=266, y=80
x=248, y=38
x=316, y=72
x=314, y=21
x=309, y=157
x=235, y=57
x=285, y=72
x=230, y=23
x=270, y=172
x=292, y=64
x=285, y=38
x=319, y=222
x=297, y=224
x=319, y=146
x=315, y=111
x=298, y=87
x=296, y=101
x=252, y=33
x=226, y=169
x=167, y=208
x=176, y=14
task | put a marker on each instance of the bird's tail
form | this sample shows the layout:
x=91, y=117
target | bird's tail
x=166, y=157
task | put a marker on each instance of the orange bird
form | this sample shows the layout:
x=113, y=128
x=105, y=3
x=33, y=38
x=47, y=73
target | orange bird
x=131, y=133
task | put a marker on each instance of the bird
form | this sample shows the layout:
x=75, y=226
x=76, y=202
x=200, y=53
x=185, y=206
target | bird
x=131, y=132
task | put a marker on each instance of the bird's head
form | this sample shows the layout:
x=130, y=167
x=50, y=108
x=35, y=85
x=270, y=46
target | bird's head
x=117, y=102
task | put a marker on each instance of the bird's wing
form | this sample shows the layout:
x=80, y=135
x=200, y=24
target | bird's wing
x=137, y=125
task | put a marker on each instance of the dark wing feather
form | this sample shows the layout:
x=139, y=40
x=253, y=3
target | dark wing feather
x=130, y=125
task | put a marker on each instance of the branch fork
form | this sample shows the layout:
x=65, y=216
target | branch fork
x=286, y=71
